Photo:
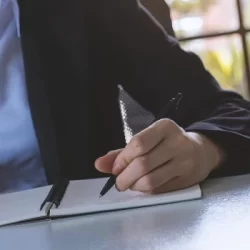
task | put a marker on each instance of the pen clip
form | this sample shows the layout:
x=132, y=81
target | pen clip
x=180, y=96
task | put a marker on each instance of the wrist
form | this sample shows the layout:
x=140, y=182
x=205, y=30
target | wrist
x=211, y=154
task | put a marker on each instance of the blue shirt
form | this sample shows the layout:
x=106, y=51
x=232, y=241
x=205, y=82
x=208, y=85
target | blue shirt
x=20, y=163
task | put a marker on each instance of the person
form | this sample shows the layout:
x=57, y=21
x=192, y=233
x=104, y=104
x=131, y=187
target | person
x=61, y=63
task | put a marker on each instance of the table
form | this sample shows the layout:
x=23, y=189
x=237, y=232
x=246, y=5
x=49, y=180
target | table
x=221, y=220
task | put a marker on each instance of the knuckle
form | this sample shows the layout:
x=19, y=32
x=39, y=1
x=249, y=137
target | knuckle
x=147, y=184
x=137, y=144
x=143, y=163
x=182, y=140
x=168, y=124
x=165, y=122
x=124, y=162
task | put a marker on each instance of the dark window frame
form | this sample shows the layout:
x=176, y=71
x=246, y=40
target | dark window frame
x=242, y=31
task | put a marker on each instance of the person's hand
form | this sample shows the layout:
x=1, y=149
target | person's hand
x=162, y=158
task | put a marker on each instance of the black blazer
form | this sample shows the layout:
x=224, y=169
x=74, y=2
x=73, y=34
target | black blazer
x=76, y=52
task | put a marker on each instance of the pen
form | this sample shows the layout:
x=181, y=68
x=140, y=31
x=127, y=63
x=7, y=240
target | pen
x=171, y=106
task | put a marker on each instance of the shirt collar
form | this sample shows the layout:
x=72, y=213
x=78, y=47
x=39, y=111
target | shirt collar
x=15, y=9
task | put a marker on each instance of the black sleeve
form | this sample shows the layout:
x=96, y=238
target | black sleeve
x=152, y=68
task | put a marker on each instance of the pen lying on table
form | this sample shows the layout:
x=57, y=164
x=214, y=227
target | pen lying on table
x=166, y=112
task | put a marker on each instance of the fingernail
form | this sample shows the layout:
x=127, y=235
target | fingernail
x=117, y=188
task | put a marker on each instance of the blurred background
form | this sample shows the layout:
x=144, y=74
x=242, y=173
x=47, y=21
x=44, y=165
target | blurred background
x=219, y=32
x=216, y=30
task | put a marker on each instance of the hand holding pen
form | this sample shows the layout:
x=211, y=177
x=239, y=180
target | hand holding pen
x=162, y=158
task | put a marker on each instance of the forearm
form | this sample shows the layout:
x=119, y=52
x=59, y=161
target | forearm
x=230, y=134
x=152, y=67
x=208, y=152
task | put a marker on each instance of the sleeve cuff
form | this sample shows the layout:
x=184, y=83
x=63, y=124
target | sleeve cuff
x=234, y=144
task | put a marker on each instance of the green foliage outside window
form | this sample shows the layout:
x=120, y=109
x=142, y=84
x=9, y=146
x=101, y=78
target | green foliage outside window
x=228, y=72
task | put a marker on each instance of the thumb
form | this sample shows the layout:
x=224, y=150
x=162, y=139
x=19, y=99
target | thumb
x=105, y=163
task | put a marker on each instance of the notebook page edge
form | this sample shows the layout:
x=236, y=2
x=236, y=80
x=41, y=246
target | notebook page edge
x=23, y=209
x=193, y=192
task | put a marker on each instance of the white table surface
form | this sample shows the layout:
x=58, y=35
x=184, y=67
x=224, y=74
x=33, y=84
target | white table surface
x=221, y=220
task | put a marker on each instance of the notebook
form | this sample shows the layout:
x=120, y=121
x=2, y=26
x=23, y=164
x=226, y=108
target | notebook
x=68, y=198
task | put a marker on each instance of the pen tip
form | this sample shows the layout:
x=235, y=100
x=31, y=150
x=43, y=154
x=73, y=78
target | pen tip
x=100, y=195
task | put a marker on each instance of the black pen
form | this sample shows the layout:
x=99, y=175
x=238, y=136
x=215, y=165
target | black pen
x=165, y=112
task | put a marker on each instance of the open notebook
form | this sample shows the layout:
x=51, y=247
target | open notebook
x=79, y=197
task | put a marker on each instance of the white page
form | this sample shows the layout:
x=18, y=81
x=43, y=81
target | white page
x=21, y=206
x=83, y=197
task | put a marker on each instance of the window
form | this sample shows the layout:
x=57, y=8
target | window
x=219, y=32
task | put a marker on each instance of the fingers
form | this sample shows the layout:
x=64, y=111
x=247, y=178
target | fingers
x=154, y=161
x=143, y=165
x=174, y=175
x=143, y=143
x=157, y=177
x=105, y=164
